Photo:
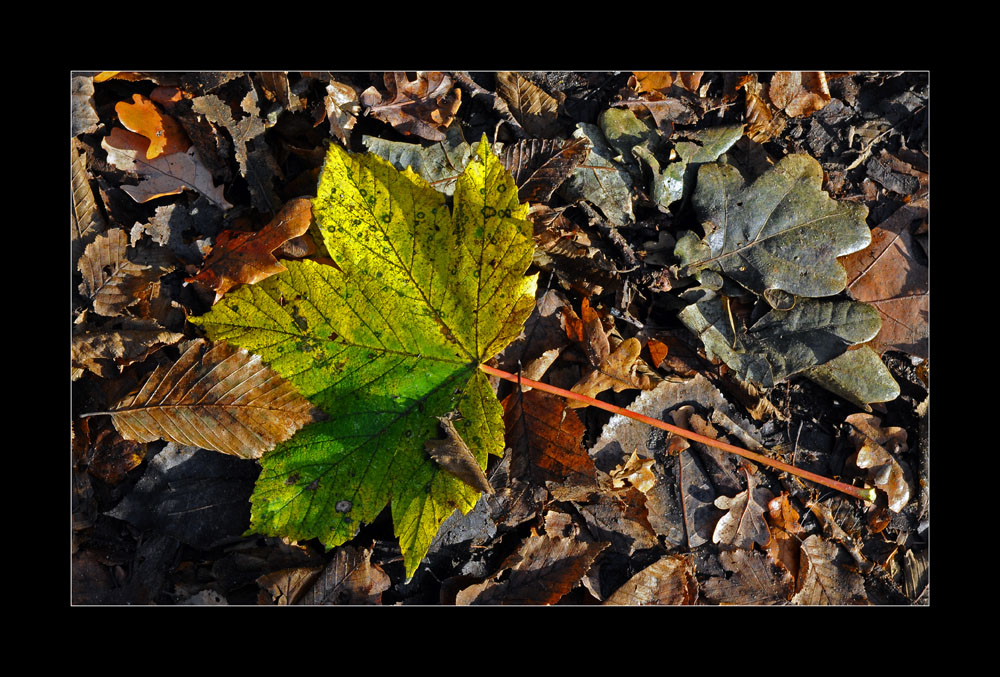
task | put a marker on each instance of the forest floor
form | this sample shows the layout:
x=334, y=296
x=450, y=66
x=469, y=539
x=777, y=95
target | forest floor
x=159, y=523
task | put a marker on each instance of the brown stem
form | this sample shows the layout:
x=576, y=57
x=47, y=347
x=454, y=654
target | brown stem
x=864, y=494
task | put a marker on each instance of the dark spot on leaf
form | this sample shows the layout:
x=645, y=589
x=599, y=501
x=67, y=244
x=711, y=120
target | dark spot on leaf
x=313, y=485
x=292, y=479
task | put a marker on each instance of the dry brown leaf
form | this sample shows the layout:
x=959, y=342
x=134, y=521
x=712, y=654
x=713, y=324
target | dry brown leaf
x=878, y=452
x=454, y=455
x=744, y=524
x=799, y=93
x=350, y=578
x=764, y=122
x=669, y=580
x=823, y=578
x=424, y=107
x=215, y=397
x=661, y=81
x=889, y=275
x=752, y=579
x=246, y=258
x=342, y=108
x=636, y=472
x=542, y=571
x=86, y=219
x=163, y=175
x=106, y=353
x=534, y=109
x=110, y=281
x=539, y=167
x=285, y=586
x=144, y=117
x=786, y=531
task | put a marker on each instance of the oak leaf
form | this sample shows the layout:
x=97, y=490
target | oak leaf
x=385, y=342
x=424, y=107
x=879, y=449
x=144, y=117
x=163, y=175
x=246, y=258
x=744, y=524
x=214, y=397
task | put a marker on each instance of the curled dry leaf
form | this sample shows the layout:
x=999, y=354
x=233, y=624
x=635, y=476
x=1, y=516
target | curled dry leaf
x=214, y=397
x=424, y=107
x=878, y=452
x=246, y=258
x=144, y=117
x=106, y=353
x=797, y=93
x=110, y=281
x=342, y=108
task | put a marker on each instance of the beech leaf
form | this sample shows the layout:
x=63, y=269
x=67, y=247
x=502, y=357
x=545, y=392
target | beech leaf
x=214, y=397
x=110, y=280
x=781, y=232
x=533, y=108
x=385, y=342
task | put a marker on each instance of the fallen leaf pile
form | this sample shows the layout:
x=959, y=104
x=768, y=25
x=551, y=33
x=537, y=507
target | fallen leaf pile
x=293, y=294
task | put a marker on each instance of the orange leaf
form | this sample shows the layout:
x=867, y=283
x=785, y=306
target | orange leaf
x=144, y=117
x=246, y=258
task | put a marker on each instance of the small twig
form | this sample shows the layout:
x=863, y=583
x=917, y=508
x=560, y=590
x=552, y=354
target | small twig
x=864, y=494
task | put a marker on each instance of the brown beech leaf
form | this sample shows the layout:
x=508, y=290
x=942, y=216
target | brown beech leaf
x=878, y=452
x=668, y=580
x=424, y=107
x=285, y=586
x=823, y=577
x=144, y=117
x=164, y=174
x=752, y=579
x=350, y=578
x=215, y=397
x=797, y=93
x=534, y=109
x=539, y=166
x=545, y=438
x=889, y=275
x=110, y=281
x=744, y=524
x=542, y=571
x=454, y=455
x=246, y=258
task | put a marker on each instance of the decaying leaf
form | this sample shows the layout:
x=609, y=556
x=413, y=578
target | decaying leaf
x=781, y=232
x=440, y=164
x=661, y=81
x=342, y=108
x=601, y=180
x=752, y=579
x=215, y=397
x=637, y=472
x=106, y=353
x=454, y=455
x=764, y=122
x=798, y=93
x=349, y=578
x=245, y=258
x=668, y=580
x=878, y=452
x=782, y=342
x=540, y=166
x=424, y=107
x=823, y=577
x=86, y=219
x=163, y=175
x=783, y=521
x=890, y=276
x=744, y=524
x=859, y=376
x=542, y=571
x=534, y=109
x=144, y=117
x=110, y=280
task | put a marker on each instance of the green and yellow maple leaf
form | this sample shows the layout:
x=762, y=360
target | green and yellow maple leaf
x=385, y=342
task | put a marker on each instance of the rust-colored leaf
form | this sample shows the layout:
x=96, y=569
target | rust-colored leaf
x=246, y=258
x=144, y=117
x=889, y=274
x=668, y=580
x=215, y=397
x=424, y=107
x=783, y=520
x=661, y=81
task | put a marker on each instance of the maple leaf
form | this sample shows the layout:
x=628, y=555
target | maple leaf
x=385, y=342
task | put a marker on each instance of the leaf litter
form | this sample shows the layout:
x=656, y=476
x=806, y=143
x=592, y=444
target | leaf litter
x=630, y=514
